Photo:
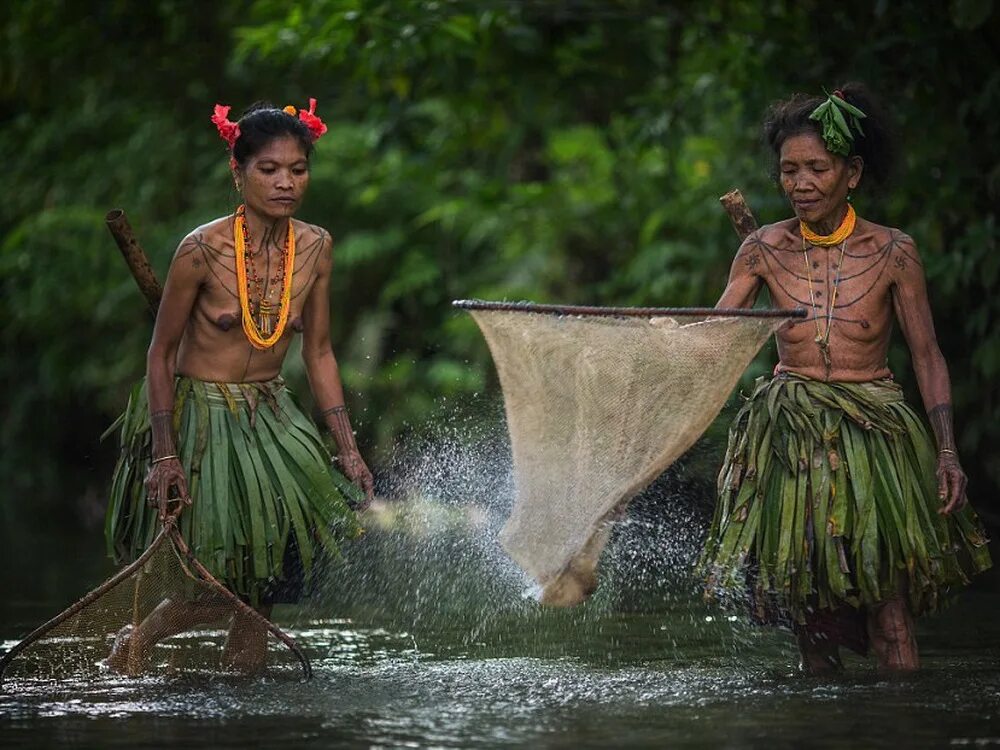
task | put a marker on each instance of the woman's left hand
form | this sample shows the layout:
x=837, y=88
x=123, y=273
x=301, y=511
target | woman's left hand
x=951, y=483
x=355, y=469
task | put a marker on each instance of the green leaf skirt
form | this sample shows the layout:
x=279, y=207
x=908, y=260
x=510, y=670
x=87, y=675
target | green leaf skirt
x=264, y=495
x=828, y=499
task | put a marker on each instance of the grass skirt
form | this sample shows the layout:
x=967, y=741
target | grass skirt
x=266, y=504
x=828, y=498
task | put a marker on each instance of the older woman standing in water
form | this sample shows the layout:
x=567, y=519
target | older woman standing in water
x=834, y=502
x=221, y=433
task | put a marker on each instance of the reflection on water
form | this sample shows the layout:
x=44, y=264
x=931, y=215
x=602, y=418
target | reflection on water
x=423, y=636
x=379, y=687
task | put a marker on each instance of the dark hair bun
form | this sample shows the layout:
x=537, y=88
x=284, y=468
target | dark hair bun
x=875, y=146
x=261, y=123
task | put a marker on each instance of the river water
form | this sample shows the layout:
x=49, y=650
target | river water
x=376, y=687
x=425, y=635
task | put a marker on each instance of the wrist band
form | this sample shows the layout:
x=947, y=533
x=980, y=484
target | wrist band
x=164, y=458
x=946, y=450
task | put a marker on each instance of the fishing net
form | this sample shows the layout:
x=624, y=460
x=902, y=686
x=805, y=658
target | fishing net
x=597, y=407
x=164, y=613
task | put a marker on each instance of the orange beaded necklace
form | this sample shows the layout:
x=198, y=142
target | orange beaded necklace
x=840, y=234
x=259, y=328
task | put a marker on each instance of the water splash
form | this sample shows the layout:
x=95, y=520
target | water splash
x=431, y=564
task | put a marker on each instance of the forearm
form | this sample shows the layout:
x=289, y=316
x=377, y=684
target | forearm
x=944, y=429
x=339, y=424
x=935, y=389
x=327, y=389
x=160, y=369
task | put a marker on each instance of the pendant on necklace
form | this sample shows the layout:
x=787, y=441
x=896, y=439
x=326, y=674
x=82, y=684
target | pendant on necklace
x=824, y=348
x=265, y=317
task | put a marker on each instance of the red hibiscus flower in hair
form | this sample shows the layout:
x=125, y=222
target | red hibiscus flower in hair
x=229, y=131
x=316, y=126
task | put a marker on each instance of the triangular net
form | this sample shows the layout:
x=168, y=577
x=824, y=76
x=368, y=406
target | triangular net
x=187, y=622
x=597, y=407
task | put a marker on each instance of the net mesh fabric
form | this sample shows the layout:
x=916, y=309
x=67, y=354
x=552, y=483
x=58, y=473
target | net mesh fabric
x=596, y=408
x=158, y=616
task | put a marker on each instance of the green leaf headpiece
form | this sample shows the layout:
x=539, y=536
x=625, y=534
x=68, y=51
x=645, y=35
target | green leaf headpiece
x=839, y=120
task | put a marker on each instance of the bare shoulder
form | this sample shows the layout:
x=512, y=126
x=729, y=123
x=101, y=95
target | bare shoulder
x=769, y=239
x=779, y=236
x=313, y=248
x=199, y=250
x=882, y=236
x=903, y=259
x=312, y=235
x=213, y=236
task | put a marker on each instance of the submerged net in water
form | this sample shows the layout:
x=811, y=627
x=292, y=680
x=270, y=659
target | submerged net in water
x=599, y=401
x=164, y=613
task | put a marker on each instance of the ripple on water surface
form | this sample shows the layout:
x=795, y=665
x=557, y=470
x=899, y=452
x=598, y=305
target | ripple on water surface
x=380, y=687
x=443, y=650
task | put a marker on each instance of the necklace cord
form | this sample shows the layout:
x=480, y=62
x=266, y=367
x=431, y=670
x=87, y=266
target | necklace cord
x=823, y=337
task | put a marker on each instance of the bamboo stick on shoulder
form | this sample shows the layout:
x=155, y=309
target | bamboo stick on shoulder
x=739, y=213
x=135, y=257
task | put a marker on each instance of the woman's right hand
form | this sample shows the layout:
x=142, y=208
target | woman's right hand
x=355, y=469
x=162, y=477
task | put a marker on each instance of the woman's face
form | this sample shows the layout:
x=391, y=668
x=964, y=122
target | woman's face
x=274, y=180
x=816, y=181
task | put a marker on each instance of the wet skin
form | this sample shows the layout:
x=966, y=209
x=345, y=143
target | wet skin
x=881, y=279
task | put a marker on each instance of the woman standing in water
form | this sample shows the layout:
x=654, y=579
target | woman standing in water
x=848, y=519
x=222, y=434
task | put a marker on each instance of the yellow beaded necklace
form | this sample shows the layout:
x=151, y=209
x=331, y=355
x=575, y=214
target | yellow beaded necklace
x=840, y=234
x=250, y=325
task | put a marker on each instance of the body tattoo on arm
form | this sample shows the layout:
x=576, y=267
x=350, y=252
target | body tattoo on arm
x=943, y=426
x=162, y=428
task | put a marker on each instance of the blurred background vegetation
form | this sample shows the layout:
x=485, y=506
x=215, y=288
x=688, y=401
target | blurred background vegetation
x=558, y=151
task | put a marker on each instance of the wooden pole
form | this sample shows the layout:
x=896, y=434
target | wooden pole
x=135, y=257
x=739, y=213
x=627, y=312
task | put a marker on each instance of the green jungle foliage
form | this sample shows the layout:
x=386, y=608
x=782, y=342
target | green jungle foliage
x=568, y=151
